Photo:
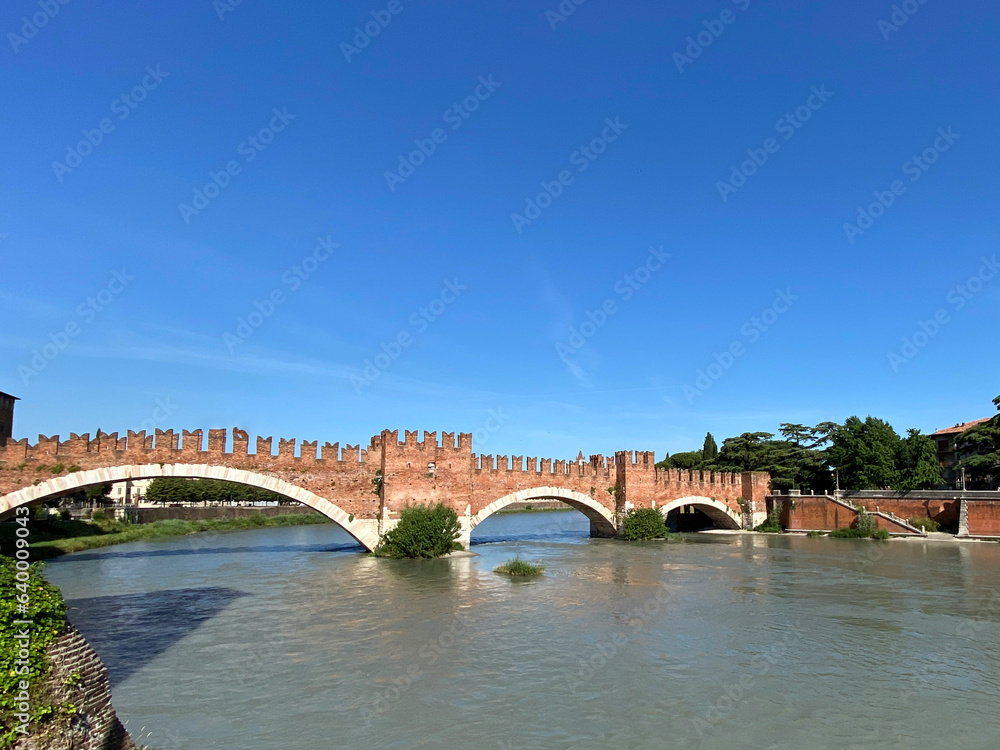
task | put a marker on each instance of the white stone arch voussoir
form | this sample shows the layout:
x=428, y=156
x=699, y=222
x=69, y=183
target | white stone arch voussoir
x=714, y=509
x=359, y=529
x=597, y=513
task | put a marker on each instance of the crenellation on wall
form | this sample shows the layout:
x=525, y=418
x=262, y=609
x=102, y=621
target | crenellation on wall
x=166, y=440
x=241, y=442
x=307, y=450
x=217, y=442
x=263, y=447
x=191, y=442
x=424, y=471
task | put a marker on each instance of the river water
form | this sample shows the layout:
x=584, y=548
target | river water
x=290, y=638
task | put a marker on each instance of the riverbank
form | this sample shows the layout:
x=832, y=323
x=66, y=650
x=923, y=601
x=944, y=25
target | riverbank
x=54, y=538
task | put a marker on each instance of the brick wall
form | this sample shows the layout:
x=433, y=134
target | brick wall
x=95, y=726
x=413, y=470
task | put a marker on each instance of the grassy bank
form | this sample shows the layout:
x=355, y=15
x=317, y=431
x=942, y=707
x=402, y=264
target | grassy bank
x=54, y=538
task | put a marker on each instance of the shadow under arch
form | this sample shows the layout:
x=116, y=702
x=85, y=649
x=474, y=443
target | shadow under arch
x=602, y=520
x=718, y=511
x=365, y=532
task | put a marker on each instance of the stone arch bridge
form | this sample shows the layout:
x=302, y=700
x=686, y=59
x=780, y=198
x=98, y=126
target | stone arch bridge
x=364, y=489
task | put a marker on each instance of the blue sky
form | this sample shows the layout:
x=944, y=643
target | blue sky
x=787, y=315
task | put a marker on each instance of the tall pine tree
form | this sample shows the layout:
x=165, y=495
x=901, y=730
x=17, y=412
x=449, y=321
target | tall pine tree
x=710, y=451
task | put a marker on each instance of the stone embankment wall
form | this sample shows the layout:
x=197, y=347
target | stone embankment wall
x=78, y=677
x=819, y=512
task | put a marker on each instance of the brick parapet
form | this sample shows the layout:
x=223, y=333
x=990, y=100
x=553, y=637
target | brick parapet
x=415, y=470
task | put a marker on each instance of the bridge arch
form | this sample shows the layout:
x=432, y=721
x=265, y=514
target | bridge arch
x=718, y=511
x=602, y=520
x=364, y=531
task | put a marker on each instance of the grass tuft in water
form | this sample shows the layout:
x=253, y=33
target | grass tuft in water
x=518, y=567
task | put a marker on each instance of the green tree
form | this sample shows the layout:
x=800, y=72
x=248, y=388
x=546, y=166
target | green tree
x=709, y=451
x=797, y=434
x=865, y=454
x=748, y=452
x=422, y=532
x=917, y=462
x=984, y=441
x=97, y=493
x=688, y=460
x=643, y=523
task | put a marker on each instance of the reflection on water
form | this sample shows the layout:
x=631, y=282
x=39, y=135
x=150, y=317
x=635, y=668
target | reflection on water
x=289, y=637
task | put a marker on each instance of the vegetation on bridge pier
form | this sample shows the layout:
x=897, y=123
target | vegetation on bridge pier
x=422, y=532
x=644, y=523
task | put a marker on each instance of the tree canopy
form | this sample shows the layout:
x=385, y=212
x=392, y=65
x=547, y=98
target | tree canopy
x=174, y=490
x=984, y=441
x=866, y=454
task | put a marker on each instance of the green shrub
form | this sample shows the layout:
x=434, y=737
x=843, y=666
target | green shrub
x=519, y=567
x=643, y=523
x=925, y=523
x=773, y=523
x=865, y=524
x=816, y=533
x=422, y=532
x=848, y=534
x=881, y=534
x=47, y=612
x=98, y=515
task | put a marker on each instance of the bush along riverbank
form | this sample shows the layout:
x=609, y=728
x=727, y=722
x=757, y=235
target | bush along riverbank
x=54, y=690
x=54, y=538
